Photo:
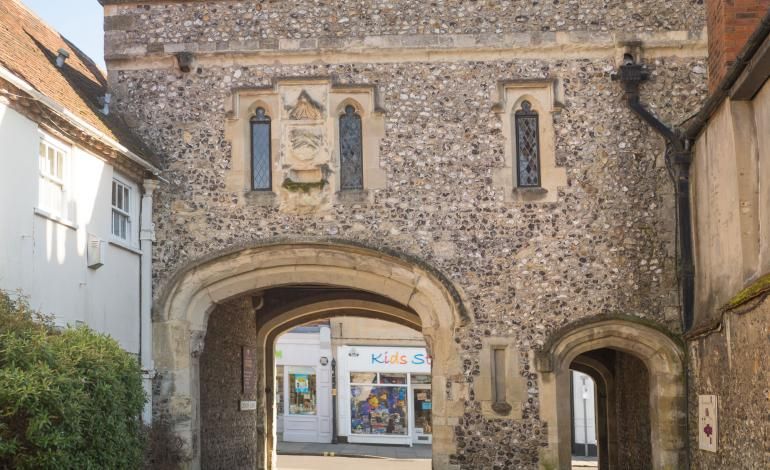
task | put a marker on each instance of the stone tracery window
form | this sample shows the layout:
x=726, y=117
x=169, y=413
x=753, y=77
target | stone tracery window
x=527, y=146
x=261, y=177
x=351, y=150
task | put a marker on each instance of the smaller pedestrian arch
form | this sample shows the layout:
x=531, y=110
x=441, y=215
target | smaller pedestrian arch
x=580, y=348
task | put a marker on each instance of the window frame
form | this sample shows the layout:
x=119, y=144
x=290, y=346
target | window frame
x=358, y=115
x=253, y=121
x=134, y=200
x=300, y=370
x=378, y=384
x=518, y=115
x=63, y=181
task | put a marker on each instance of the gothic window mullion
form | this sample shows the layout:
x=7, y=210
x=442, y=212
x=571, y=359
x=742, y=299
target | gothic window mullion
x=351, y=150
x=261, y=173
x=527, y=146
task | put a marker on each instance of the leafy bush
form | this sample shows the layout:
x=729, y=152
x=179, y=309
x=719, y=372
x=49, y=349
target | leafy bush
x=68, y=399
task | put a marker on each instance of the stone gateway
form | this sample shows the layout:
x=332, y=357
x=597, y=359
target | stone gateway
x=465, y=168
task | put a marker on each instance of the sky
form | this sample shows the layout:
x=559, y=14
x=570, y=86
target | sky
x=80, y=21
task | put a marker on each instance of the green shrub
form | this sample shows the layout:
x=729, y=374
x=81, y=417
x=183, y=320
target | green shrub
x=68, y=399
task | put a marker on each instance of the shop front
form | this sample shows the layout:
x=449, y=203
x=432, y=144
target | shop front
x=303, y=386
x=384, y=395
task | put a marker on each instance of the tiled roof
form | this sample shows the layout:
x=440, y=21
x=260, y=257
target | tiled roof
x=28, y=48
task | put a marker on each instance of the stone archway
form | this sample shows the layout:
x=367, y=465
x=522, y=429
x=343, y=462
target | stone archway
x=182, y=311
x=268, y=333
x=664, y=360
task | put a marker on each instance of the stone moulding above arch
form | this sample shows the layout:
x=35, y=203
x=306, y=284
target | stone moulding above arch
x=201, y=277
x=563, y=344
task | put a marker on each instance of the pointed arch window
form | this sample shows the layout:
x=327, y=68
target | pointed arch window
x=527, y=146
x=351, y=150
x=261, y=174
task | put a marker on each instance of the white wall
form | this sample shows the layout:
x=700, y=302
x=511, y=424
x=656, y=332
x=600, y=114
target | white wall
x=584, y=402
x=45, y=259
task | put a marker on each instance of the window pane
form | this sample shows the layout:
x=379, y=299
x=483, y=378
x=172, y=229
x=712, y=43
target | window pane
x=302, y=394
x=363, y=377
x=351, y=150
x=51, y=163
x=126, y=198
x=421, y=379
x=378, y=410
x=396, y=379
x=115, y=223
x=527, y=146
x=260, y=151
x=59, y=165
x=279, y=389
x=119, y=205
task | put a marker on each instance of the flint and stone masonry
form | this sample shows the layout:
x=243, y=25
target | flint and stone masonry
x=429, y=79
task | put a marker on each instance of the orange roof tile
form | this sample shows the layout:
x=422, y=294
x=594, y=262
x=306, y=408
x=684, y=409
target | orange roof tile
x=28, y=48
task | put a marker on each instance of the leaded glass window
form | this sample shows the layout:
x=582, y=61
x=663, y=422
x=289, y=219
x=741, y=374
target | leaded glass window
x=261, y=178
x=527, y=146
x=351, y=150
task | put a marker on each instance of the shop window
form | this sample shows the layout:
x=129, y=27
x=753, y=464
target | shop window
x=423, y=412
x=393, y=379
x=302, y=394
x=279, y=390
x=379, y=409
x=351, y=150
x=421, y=379
x=261, y=175
x=363, y=377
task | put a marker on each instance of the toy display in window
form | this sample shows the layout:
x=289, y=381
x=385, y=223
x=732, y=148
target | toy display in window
x=379, y=410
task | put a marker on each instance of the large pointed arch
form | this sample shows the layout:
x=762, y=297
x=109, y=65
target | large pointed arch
x=181, y=317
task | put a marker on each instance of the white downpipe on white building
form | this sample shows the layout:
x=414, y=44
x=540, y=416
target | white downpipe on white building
x=146, y=237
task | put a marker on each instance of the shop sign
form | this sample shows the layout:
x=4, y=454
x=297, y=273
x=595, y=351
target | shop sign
x=248, y=405
x=389, y=359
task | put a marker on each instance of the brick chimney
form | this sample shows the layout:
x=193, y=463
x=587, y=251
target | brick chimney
x=730, y=23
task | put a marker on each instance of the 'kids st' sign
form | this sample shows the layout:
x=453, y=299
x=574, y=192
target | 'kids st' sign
x=398, y=358
x=386, y=359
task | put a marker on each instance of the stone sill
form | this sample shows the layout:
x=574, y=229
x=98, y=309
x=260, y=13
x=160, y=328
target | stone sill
x=261, y=198
x=353, y=197
x=532, y=190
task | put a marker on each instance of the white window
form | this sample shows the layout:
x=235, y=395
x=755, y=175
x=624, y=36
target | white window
x=121, y=210
x=53, y=160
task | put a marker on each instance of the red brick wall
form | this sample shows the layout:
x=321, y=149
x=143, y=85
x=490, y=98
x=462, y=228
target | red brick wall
x=730, y=23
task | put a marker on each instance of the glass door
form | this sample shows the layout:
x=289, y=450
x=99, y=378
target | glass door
x=422, y=406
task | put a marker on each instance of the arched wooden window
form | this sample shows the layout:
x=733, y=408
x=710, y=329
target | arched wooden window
x=351, y=150
x=527, y=146
x=261, y=174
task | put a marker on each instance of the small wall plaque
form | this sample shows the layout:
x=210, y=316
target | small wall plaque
x=249, y=372
x=248, y=405
x=707, y=422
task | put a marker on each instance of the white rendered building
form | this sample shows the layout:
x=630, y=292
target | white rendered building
x=75, y=189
